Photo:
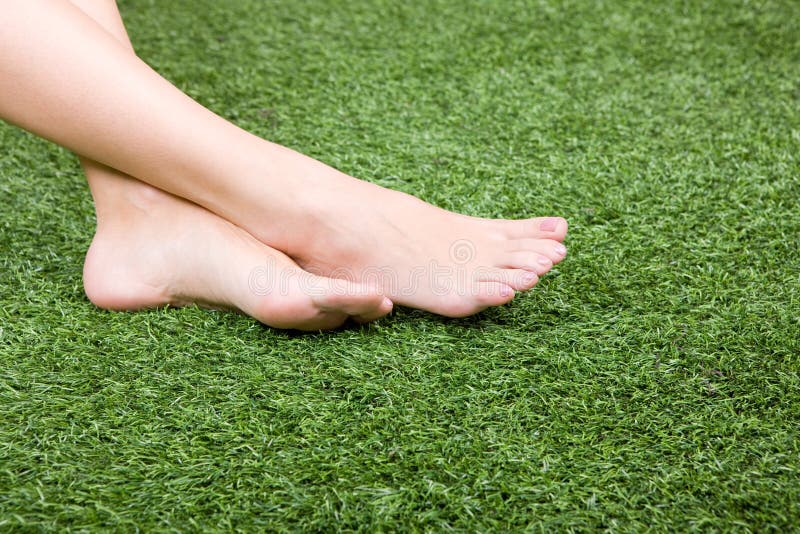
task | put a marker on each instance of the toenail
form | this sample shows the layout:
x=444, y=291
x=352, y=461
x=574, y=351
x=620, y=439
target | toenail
x=549, y=225
x=506, y=291
x=529, y=277
x=544, y=261
x=561, y=249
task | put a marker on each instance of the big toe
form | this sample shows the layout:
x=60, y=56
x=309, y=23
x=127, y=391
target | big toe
x=537, y=228
x=359, y=301
x=308, y=302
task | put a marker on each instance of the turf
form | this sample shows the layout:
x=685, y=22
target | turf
x=650, y=384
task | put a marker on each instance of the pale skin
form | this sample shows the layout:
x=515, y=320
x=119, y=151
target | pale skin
x=189, y=205
x=202, y=259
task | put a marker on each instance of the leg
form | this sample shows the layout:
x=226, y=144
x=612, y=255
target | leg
x=73, y=84
x=152, y=248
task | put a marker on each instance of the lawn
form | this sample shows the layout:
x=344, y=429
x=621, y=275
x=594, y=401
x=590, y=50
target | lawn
x=651, y=383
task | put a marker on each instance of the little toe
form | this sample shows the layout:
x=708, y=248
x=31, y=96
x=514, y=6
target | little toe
x=482, y=295
x=493, y=294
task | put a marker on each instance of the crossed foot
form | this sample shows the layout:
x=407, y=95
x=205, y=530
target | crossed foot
x=361, y=250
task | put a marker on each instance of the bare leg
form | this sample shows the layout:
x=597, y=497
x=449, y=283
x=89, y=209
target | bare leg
x=152, y=248
x=73, y=84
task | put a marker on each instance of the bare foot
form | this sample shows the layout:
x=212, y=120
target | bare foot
x=152, y=249
x=420, y=255
x=98, y=99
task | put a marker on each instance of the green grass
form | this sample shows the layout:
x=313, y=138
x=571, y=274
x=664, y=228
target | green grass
x=651, y=383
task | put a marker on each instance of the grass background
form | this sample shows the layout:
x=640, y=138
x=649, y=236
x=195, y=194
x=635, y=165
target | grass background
x=651, y=383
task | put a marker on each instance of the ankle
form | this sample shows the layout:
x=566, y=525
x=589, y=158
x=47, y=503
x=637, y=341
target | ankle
x=120, y=204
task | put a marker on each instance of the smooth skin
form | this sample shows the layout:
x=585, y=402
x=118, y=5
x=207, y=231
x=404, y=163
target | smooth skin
x=152, y=248
x=78, y=85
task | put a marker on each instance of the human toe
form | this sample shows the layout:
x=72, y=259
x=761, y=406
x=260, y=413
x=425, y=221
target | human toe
x=537, y=228
x=553, y=250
